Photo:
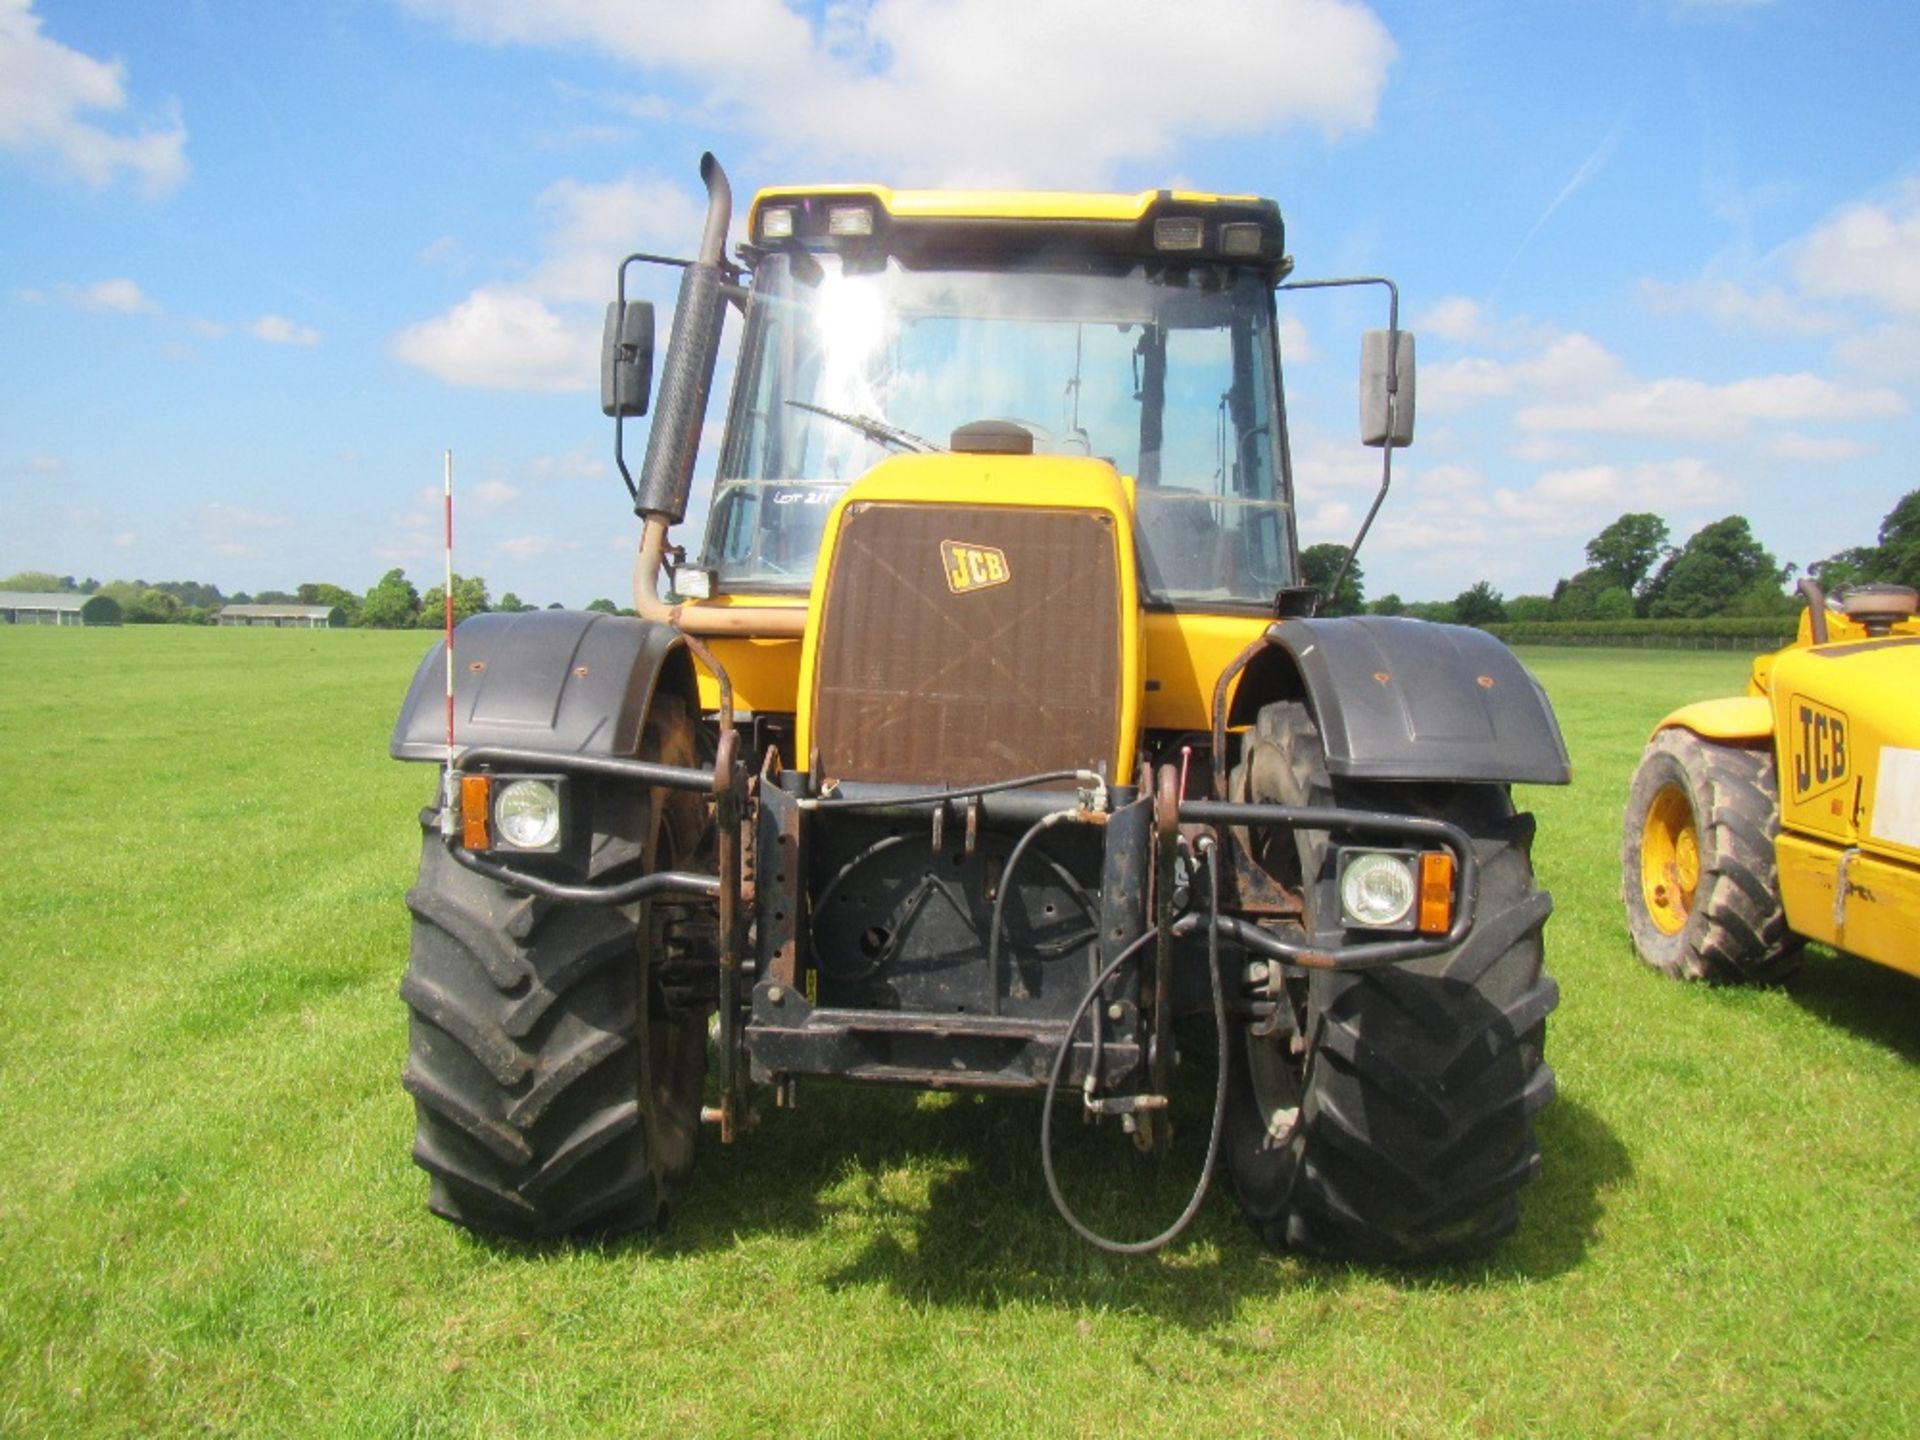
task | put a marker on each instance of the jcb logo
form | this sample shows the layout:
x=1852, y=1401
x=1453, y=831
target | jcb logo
x=1819, y=748
x=973, y=567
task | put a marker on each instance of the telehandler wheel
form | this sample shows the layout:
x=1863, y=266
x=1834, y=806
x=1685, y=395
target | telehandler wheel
x=1699, y=878
x=1390, y=1116
x=556, y=1092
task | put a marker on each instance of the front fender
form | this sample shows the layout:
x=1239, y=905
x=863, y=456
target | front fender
x=571, y=681
x=1736, y=718
x=1410, y=700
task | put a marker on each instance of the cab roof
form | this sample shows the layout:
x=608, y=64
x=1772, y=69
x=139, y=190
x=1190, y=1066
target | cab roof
x=941, y=224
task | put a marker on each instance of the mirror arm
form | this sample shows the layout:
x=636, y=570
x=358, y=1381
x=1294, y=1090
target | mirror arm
x=1393, y=405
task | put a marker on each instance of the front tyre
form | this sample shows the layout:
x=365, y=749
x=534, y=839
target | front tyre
x=1698, y=874
x=556, y=1090
x=1388, y=1116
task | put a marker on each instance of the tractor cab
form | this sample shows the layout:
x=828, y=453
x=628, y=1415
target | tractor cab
x=1136, y=330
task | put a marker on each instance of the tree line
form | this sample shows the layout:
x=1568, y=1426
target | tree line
x=1635, y=572
x=391, y=604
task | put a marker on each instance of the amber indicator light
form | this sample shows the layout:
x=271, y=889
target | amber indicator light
x=476, y=795
x=1436, y=893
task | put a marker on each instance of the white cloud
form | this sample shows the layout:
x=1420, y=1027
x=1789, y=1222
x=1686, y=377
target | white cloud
x=278, y=330
x=1569, y=502
x=45, y=89
x=536, y=547
x=1816, y=450
x=1676, y=408
x=489, y=496
x=579, y=463
x=1449, y=386
x=118, y=296
x=502, y=338
x=1771, y=309
x=232, y=530
x=1868, y=251
x=1886, y=352
x=1295, y=343
x=542, y=333
x=1455, y=318
x=982, y=91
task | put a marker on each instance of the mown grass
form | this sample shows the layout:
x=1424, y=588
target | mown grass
x=210, y=1222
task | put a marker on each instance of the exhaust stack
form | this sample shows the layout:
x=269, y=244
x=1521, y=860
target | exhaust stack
x=673, y=442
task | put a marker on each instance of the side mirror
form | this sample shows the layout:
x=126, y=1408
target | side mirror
x=1374, y=370
x=626, y=358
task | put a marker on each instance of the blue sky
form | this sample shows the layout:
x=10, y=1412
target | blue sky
x=260, y=264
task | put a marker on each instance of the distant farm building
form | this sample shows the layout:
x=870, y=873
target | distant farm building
x=60, y=608
x=284, y=617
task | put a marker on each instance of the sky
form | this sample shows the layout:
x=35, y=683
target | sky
x=260, y=265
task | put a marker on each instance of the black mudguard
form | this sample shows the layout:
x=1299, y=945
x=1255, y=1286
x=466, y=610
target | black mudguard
x=1402, y=699
x=570, y=681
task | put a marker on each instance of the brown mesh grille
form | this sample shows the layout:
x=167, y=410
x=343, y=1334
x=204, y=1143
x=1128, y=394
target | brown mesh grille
x=1017, y=672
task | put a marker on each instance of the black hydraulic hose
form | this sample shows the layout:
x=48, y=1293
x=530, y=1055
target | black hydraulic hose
x=1173, y=1232
x=1000, y=902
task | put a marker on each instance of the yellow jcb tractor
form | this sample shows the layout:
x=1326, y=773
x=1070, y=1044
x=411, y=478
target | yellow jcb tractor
x=988, y=729
x=1790, y=813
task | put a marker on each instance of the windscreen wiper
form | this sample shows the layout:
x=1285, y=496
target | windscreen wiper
x=878, y=431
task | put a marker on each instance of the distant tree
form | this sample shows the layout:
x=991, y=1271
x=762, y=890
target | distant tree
x=1437, y=610
x=392, y=603
x=1530, y=608
x=89, y=585
x=1388, y=604
x=556, y=605
x=605, y=607
x=333, y=596
x=38, y=582
x=193, y=593
x=469, y=599
x=1613, y=603
x=154, y=607
x=101, y=610
x=1898, y=560
x=276, y=597
x=1479, y=604
x=1318, y=566
x=512, y=604
x=1761, y=598
x=1628, y=549
x=1592, y=594
x=124, y=593
x=1718, y=564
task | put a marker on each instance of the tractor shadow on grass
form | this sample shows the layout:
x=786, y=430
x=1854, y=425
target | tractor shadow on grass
x=1879, y=1005
x=941, y=1200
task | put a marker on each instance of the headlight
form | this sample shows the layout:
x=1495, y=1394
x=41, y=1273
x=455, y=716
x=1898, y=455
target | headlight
x=526, y=815
x=1377, y=890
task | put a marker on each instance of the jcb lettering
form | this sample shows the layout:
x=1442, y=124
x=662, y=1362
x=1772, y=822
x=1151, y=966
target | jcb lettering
x=1819, y=749
x=973, y=567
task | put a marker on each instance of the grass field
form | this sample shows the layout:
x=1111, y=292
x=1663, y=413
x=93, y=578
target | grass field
x=211, y=1224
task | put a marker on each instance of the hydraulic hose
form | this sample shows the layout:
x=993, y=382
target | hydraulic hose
x=1000, y=905
x=1186, y=924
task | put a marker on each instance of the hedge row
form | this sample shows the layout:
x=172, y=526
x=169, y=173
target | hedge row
x=1720, y=633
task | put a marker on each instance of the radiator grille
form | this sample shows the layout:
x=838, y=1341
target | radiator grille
x=1010, y=667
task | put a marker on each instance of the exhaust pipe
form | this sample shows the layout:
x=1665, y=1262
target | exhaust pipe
x=673, y=443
